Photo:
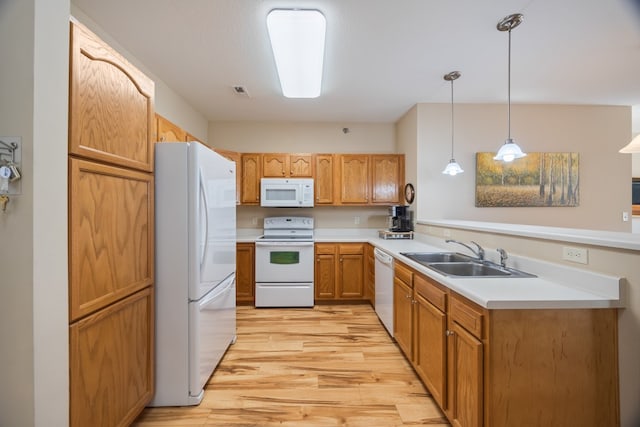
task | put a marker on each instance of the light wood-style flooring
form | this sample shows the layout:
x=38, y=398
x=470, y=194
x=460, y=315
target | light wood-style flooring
x=333, y=365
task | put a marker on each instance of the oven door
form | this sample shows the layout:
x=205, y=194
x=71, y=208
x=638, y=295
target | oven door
x=282, y=262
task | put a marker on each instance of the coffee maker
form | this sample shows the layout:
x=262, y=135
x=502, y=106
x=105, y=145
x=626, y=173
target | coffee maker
x=400, y=218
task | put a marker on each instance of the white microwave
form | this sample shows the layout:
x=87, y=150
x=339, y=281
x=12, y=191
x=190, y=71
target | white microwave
x=286, y=192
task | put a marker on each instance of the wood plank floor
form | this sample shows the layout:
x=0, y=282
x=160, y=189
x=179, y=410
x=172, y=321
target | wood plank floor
x=333, y=365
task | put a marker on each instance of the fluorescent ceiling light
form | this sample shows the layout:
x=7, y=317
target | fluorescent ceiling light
x=297, y=40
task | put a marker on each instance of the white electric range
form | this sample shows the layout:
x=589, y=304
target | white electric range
x=285, y=263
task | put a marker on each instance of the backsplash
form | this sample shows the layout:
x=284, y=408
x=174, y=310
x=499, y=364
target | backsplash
x=324, y=216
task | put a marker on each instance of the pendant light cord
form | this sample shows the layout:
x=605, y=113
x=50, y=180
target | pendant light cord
x=509, y=91
x=451, y=119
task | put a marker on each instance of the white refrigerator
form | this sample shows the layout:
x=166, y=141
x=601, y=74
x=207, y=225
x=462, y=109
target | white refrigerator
x=195, y=313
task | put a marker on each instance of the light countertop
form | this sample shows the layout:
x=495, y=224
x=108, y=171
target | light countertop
x=557, y=286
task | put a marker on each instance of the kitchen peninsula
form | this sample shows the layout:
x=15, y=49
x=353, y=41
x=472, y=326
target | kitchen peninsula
x=501, y=334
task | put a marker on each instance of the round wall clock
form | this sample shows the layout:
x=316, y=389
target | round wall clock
x=409, y=193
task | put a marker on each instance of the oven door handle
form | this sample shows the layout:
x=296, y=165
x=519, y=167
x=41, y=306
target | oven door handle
x=288, y=243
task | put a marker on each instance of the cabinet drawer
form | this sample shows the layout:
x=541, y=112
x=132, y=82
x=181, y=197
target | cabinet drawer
x=403, y=273
x=466, y=316
x=325, y=249
x=429, y=291
x=351, y=248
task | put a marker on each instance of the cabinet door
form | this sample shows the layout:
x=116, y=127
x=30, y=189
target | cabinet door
x=430, y=327
x=110, y=234
x=300, y=165
x=351, y=271
x=234, y=156
x=370, y=275
x=111, y=363
x=251, y=173
x=245, y=274
x=403, y=316
x=465, y=376
x=354, y=178
x=325, y=271
x=275, y=165
x=169, y=132
x=110, y=105
x=324, y=179
x=387, y=176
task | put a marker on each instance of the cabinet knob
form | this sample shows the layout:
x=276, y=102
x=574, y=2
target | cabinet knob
x=408, y=296
x=450, y=333
x=340, y=259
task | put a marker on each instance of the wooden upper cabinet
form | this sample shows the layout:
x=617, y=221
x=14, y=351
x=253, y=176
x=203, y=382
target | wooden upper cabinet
x=110, y=105
x=282, y=165
x=353, y=176
x=301, y=165
x=387, y=176
x=190, y=137
x=236, y=157
x=251, y=173
x=275, y=165
x=324, y=179
x=169, y=132
x=111, y=227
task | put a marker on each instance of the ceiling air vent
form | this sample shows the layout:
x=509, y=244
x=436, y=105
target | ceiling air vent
x=241, y=90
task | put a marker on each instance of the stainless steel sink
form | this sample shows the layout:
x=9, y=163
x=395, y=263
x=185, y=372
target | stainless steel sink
x=454, y=264
x=476, y=269
x=426, y=258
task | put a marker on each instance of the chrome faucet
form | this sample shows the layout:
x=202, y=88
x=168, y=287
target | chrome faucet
x=503, y=257
x=479, y=252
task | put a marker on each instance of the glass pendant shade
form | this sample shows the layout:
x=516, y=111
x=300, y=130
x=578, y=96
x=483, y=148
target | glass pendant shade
x=633, y=146
x=509, y=152
x=453, y=168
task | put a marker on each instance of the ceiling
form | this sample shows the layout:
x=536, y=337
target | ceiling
x=383, y=56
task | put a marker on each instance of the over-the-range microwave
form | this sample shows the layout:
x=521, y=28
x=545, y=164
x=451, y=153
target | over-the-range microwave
x=286, y=192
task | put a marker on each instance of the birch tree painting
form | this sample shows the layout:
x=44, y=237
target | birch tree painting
x=539, y=179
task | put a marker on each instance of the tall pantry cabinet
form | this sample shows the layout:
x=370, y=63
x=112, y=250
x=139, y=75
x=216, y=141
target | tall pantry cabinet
x=111, y=235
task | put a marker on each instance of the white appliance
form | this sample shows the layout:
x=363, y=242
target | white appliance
x=384, y=288
x=286, y=192
x=195, y=314
x=285, y=263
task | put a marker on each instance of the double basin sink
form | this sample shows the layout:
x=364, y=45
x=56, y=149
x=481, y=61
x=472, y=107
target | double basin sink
x=454, y=264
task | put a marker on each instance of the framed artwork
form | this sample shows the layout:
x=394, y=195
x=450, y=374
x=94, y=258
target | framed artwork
x=537, y=180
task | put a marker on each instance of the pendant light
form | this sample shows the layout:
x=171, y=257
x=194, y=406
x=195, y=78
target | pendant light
x=633, y=146
x=510, y=150
x=453, y=168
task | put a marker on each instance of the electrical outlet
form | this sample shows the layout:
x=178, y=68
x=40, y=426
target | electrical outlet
x=254, y=220
x=579, y=255
x=625, y=216
x=356, y=220
x=446, y=232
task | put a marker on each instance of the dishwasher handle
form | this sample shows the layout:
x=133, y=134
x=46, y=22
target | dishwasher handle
x=383, y=257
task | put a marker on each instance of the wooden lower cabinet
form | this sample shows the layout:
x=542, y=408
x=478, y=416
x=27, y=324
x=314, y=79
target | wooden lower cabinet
x=370, y=274
x=430, y=343
x=339, y=271
x=465, y=371
x=403, y=309
x=111, y=362
x=245, y=273
x=503, y=368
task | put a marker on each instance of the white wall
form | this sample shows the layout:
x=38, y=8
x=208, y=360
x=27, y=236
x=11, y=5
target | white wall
x=33, y=288
x=595, y=132
x=274, y=137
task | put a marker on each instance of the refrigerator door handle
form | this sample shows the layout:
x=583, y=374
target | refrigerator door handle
x=205, y=202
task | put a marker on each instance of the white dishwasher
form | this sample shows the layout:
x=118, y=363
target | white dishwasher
x=384, y=289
